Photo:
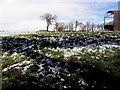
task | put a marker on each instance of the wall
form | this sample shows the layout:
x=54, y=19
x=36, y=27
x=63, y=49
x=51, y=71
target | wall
x=116, y=21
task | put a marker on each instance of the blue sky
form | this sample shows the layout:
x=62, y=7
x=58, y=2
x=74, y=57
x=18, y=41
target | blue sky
x=24, y=15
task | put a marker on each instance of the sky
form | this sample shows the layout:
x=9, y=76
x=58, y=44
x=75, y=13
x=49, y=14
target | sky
x=24, y=15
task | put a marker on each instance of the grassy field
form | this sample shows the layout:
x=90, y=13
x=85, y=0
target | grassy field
x=84, y=60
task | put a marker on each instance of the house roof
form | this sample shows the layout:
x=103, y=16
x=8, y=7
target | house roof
x=113, y=12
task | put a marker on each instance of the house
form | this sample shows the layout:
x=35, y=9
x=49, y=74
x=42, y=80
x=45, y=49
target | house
x=116, y=21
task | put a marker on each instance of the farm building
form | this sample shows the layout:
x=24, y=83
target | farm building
x=116, y=20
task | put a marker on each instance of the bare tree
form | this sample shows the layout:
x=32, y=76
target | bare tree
x=92, y=26
x=66, y=27
x=70, y=25
x=61, y=26
x=76, y=25
x=80, y=25
x=102, y=26
x=49, y=19
x=83, y=27
x=98, y=27
x=56, y=26
x=87, y=26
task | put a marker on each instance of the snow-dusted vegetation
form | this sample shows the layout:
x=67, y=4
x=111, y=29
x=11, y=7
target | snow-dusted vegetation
x=84, y=60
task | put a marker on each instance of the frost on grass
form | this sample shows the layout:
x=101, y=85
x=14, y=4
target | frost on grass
x=80, y=52
x=15, y=60
x=60, y=59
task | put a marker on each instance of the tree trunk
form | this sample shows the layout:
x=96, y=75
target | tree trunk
x=47, y=26
x=92, y=29
x=75, y=28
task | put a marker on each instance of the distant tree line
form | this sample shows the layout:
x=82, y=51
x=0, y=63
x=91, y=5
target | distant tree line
x=71, y=26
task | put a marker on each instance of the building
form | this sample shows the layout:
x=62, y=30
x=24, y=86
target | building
x=116, y=19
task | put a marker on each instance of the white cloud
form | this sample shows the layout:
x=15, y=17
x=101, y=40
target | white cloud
x=106, y=21
x=70, y=0
x=21, y=15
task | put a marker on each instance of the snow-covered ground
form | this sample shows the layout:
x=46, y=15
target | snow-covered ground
x=5, y=33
